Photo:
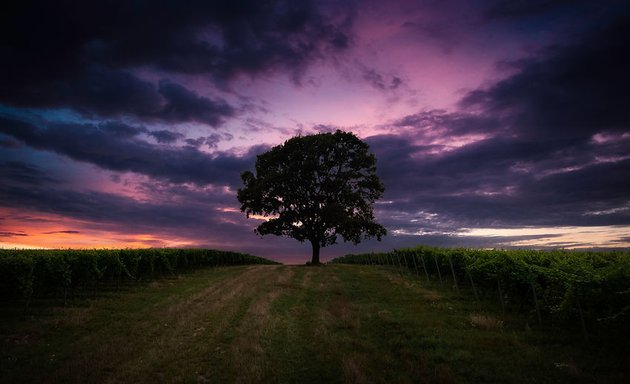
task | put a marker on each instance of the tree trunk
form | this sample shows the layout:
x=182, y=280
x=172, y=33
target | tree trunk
x=316, y=247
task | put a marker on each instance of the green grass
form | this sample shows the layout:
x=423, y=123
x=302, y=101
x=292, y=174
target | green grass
x=290, y=324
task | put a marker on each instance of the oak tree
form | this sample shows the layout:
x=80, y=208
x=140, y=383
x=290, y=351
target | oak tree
x=315, y=188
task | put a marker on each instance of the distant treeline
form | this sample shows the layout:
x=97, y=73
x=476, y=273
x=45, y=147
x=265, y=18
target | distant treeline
x=27, y=274
x=590, y=290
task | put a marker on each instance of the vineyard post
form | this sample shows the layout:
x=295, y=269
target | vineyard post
x=501, y=295
x=405, y=260
x=584, y=331
x=415, y=265
x=453, y=272
x=424, y=266
x=399, y=263
x=438, y=270
x=472, y=284
x=536, y=302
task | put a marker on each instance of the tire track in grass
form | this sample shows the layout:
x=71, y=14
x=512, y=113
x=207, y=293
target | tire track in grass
x=207, y=356
x=383, y=348
x=304, y=341
x=332, y=324
x=246, y=360
x=161, y=340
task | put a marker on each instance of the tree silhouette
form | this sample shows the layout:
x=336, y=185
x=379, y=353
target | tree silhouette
x=315, y=188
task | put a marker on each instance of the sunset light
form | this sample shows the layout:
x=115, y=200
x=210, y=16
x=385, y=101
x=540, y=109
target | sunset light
x=504, y=122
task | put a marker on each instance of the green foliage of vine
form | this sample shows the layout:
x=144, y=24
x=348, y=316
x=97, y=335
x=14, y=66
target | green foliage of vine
x=25, y=274
x=597, y=284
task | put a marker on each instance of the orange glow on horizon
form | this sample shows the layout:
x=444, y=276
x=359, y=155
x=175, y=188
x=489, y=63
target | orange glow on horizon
x=46, y=231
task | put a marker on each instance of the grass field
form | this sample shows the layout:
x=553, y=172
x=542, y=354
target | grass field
x=290, y=324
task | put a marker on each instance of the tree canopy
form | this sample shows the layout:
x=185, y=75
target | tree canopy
x=315, y=188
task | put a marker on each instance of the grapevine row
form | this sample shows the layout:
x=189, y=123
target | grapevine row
x=25, y=274
x=591, y=289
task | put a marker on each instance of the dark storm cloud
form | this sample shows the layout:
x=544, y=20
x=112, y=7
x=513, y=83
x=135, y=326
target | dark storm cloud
x=105, y=209
x=106, y=92
x=556, y=150
x=180, y=208
x=175, y=211
x=24, y=173
x=572, y=92
x=450, y=123
x=9, y=143
x=90, y=90
x=524, y=8
x=80, y=54
x=100, y=145
x=184, y=105
x=500, y=182
x=165, y=136
x=211, y=141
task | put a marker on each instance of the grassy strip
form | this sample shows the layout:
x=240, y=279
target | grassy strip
x=285, y=324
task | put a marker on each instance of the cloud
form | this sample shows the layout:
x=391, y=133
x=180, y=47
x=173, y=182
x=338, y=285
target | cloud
x=499, y=181
x=194, y=215
x=439, y=124
x=546, y=146
x=24, y=173
x=184, y=105
x=379, y=82
x=90, y=90
x=83, y=56
x=101, y=92
x=100, y=145
x=166, y=136
x=525, y=8
x=12, y=234
x=9, y=143
x=572, y=91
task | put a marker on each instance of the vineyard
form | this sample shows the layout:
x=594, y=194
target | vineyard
x=28, y=274
x=166, y=315
x=586, y=290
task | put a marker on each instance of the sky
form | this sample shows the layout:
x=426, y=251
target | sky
x=495, y=124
